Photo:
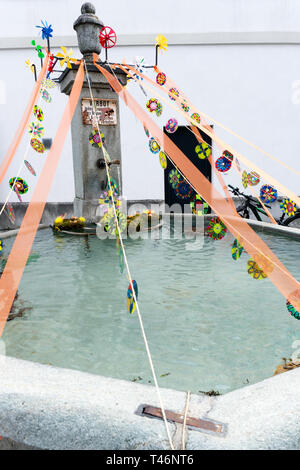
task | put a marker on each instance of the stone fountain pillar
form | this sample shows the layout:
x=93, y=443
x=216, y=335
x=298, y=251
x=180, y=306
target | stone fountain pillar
x=89, y=169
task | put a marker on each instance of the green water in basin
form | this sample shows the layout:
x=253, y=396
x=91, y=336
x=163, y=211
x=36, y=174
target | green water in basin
x=209, y=324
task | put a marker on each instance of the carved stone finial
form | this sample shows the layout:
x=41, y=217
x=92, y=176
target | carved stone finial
x=88, y=27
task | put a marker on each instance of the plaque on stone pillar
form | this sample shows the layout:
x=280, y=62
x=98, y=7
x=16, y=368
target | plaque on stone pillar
x=106, y=111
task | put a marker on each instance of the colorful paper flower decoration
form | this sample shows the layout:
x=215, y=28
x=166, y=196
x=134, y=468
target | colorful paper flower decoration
x=223, y=164
x=175, y=178
x=254, y=270
x=154, y=146
x=37, y=145
x=110, y=223
x=66, y=57
x=46, y=30
x=96, y=140
x=264, y=264
x=48, y=83
x=173, y=94
x=216, y=229
x=45, y=95
x=153, y=105
x=114, y=186
x=29, y=65
x=183, y=190
x=161, y=78
x=19, y=185
x=196, y=117
x=268, y=194
x=171, y=126
x=38, y=113
x=227, y=154
x=295, y=298
x=237, y=250
x=163, y=159
x=161, y=43
x=245, y=179
x=108, y=199
x=35, y=129
x=253, y=178
x=185, y=107
x=10, y=213
x=288, y=206
x=130, y=298
x=29, y=168
x=203, y=150
x=198, y=205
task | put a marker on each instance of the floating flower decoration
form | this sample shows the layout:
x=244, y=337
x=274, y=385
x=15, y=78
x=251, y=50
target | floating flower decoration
x=268, y=193
x=130, y=298
x=254, y=270
x=45, y=95
x=198, y=205
x=172, y=126
x=161, y=78
x=223, y=164
x=183, y=190
x=216, y=229
x=253, y=178
x=66, y=57
x=161, y=43
x=185, y=107
x=35, y=129
x=227, y=154
x=96, y=140
x=38, y=113
x=29, y=168
x=245, y=179
x=19, y=185
x=154, y=146
x=288, y=206
x=173, y=94
x=175, y=178
x=295, y=299
x=237, y=250
x=37, y=145
x=196, y=117
x=203, y=150
x=163, y=159
x=46, y=30
x=29, y=65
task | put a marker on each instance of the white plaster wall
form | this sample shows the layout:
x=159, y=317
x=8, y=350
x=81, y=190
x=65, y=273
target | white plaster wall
x=247, y=87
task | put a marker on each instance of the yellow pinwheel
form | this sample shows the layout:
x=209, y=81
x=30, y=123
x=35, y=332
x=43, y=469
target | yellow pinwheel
x=161, y=43
x=29, y=64
x=66, y=57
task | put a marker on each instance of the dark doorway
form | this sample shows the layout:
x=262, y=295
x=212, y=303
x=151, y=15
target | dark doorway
x=186, y=141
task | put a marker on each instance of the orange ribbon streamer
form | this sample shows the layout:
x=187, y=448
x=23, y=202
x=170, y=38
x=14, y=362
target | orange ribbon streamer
x=24, y=122
x=20, y=251
x=252, y=243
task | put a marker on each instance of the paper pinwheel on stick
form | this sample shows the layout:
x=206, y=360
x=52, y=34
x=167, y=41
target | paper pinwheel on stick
x=66, y=57
x=161, y=45
x=46, y=31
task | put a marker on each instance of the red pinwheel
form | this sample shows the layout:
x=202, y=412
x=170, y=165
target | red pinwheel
x=107, y=37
